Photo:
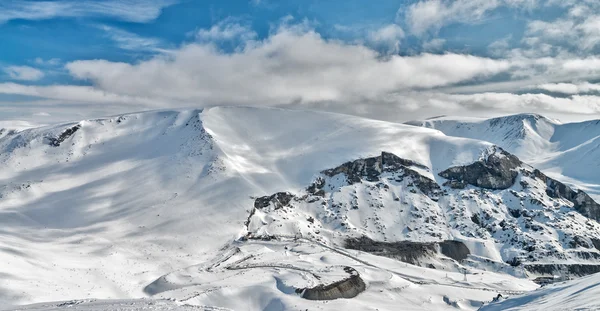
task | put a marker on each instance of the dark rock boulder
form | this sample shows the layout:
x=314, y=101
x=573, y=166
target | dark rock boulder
x=349, y=287
x=497, y=171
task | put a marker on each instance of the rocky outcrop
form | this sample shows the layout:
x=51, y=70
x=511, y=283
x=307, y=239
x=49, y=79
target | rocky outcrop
x=278, y=200
x=582, y=202
x=55, y=142
x=454, y=249
x=370, y=169
x=408, y=251
x=562, y=269
x=497, y=171
x=389, y=203
x=349, y=287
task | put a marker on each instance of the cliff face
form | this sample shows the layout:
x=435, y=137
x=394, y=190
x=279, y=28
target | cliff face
x=408, y=251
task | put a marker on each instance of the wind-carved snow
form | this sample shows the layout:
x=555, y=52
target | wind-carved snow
x=580, y=294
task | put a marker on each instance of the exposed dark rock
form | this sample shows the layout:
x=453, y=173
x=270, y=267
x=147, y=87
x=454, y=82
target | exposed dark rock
x=515, y=262
x=596, y=243
x=55, y=142
x=497, y=171
x=455, y=184
x=316, y=187
x=408, y=251
x=370, y=169
x=475, y=220
x=454, y=249
x=559, y=269
x=515, y=213
x=349, y=287
x=279, y=200
x=582, y=202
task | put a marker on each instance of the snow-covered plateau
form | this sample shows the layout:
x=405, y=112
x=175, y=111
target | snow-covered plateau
x=235, y=208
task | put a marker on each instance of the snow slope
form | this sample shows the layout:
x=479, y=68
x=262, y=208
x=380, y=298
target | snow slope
x=579, y=294
x=126, y=199
x=566, y=151
x=110, y=208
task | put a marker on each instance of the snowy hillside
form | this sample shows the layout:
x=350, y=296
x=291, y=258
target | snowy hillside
x=566, y=151
x=264, y=209
x=580, y=294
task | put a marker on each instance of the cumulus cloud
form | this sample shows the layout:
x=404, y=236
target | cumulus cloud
x=290, y=65
x=294, y=66
x=139, y=11
x=388, y=37
x=576, y=31
x=23, y=73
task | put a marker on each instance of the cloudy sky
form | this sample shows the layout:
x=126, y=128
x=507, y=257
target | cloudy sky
x=392, y=60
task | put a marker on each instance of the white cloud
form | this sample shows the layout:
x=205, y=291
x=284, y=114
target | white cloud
x=570, y=88
x=419, y=104
x=388, y=36
x=434, y=44
x=140, y=11
x=23, y=73
x=129, y=41
x=47, y=62
x=84, y=94
x=577, y=31
x=290, y=65
x=432, y=15
x=296, y=67
x=500, y=47
x=226, y=30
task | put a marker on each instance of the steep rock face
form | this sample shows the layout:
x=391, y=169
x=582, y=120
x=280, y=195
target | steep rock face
x=519, y=217
x=573, y=270
x=408, y=251
x=496, y=171
x=56, y=141
x=370, y=169
x=499, y=171
x=349, y=287
x=582, y=202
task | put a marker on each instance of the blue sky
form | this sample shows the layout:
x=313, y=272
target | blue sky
x=70, y=59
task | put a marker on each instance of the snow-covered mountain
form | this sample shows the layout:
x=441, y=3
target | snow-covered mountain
x=567, y=151
x=266, y=209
